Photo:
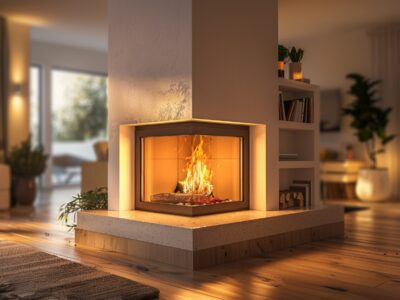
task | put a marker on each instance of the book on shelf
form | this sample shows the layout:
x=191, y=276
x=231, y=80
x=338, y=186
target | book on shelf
x=296, y=110
x=305, y=187
x=291, y=199
x=298, y=195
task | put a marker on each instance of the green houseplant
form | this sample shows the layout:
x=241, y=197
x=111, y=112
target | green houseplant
x=26, y=163
x=369, y=120
x=295, y=68
x=283, y=54
x=91, y=200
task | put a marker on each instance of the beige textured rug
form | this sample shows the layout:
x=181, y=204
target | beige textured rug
x=26, y=273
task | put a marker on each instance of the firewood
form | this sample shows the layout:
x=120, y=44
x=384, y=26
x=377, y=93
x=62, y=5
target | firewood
x=185, y=199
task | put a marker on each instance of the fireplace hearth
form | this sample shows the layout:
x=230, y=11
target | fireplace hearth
x=192, y=168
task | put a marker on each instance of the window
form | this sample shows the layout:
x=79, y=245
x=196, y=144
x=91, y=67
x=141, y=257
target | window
x=35, y=104
x=79, y=119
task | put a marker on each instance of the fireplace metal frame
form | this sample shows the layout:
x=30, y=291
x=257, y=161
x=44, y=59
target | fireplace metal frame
x=191, y=128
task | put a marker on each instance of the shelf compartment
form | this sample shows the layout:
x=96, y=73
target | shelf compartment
x=297, y=142
x=287, y=176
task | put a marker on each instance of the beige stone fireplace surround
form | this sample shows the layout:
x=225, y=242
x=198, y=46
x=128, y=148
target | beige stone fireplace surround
x=201, y=62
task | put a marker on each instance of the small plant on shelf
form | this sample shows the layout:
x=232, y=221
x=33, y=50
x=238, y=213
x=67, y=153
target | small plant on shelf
x=296, y=55
x=92, y=200
x=283, y=54
x=295, y=70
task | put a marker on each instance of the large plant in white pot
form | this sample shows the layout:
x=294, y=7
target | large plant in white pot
x=370, y=121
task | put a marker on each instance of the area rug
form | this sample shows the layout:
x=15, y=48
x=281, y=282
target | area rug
x=26, y=273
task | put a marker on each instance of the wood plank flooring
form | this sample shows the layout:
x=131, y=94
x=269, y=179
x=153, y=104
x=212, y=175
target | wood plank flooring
x=363, y=265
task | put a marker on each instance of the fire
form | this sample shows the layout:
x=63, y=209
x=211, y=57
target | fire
x=198, y=174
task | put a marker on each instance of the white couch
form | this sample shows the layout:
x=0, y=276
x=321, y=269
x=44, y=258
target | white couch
x=5, y=185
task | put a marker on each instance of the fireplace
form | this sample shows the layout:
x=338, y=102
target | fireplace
x=192, y=168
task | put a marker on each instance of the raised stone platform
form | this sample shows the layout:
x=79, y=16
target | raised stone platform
x=198, y=242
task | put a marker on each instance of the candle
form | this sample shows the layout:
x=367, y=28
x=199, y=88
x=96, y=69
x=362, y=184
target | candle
x=297, y=76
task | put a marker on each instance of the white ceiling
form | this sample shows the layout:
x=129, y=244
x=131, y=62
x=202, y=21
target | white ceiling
x=306, y=18
x=80, y=23
x=83, y=23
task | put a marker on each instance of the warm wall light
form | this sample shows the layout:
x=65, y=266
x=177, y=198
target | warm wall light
x=16, y=104
x=17, y=89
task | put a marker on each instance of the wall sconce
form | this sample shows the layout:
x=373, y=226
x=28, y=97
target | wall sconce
x=17, y=89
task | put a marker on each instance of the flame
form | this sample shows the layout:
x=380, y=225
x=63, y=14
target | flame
x=198, y=174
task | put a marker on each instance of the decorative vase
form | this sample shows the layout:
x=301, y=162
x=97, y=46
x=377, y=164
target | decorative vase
x=373, y=184
x=281, y=69
x=295, y=70
x=24, y=190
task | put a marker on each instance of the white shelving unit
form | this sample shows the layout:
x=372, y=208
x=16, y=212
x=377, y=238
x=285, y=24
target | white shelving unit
x=301, y=139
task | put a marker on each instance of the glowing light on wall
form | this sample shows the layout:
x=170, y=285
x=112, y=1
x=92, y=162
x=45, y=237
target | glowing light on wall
x=17, y=105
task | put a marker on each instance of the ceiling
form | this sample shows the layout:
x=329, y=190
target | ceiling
x=300, y=19
x=83, y=23
x=80, y=23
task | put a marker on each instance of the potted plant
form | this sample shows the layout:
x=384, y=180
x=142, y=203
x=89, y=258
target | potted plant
x=295, y=71
x=283, y=54
x=370, y=122
x=26, y=163
x=91, y=200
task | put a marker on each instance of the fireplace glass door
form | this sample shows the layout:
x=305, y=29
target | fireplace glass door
x=192, y=173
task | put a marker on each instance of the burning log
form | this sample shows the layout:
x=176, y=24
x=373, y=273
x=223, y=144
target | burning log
x=185, y=199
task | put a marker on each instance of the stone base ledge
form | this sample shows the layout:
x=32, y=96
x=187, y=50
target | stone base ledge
x=203, y=232
x=198, y=242
x=195, y=260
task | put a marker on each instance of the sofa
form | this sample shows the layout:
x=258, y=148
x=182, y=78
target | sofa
x=5, y=185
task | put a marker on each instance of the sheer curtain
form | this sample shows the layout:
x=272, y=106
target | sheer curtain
x=386, y=67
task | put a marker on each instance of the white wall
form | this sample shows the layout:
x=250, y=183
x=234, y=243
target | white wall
x=49, y=56
x=162, y=50
x=327, y=61
x=79, y=59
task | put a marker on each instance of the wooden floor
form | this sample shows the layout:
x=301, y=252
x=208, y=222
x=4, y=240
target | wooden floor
x=365, y=265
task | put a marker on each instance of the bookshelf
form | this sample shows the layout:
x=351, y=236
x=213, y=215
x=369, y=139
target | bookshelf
x=298, y=161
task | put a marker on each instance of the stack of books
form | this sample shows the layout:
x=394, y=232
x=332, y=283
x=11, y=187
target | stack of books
x=298, y=195
x=296, y=110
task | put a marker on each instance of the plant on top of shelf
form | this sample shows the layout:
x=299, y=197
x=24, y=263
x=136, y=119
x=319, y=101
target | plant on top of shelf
x=92, y=200
x=295, y=70
x=296, y=55
x=370, y=121
x=283, y=54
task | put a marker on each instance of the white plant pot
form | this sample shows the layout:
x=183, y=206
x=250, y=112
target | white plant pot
x=373, y=185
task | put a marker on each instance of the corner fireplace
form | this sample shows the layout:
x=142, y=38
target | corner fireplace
x=191, y=168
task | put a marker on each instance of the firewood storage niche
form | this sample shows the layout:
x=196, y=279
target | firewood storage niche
x=192, y=168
